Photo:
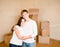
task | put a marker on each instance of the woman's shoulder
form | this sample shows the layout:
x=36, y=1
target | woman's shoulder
x=16, y=26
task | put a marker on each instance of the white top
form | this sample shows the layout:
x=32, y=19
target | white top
x=30, y=28
x=14, y=39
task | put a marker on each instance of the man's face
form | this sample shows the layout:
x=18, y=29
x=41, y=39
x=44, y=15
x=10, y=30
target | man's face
x=25, y=15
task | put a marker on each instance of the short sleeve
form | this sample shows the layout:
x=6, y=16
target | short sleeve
x=16, y=27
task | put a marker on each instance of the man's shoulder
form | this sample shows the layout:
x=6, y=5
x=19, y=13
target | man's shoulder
x=33, y=21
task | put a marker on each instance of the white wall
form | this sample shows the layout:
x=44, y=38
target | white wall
x=9, y=11
x=49, y=10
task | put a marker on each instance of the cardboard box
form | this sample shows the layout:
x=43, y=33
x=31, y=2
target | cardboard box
x=44, y=40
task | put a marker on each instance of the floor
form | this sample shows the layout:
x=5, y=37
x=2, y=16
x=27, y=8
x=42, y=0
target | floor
x=53, y=43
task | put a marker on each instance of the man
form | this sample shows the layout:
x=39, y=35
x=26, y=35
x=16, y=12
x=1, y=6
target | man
x=30, y=30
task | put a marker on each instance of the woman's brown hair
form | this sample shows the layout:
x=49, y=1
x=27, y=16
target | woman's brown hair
x=18, y=23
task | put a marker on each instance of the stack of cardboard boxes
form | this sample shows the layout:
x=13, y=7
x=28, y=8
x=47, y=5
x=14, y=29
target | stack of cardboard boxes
x=44, y=32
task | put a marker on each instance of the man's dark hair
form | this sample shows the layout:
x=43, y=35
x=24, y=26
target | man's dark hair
x=24, y=11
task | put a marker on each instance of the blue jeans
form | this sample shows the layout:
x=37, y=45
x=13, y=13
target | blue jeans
x=29, y=44
x=12, y=45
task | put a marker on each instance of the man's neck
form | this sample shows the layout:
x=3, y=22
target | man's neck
x=28, y=19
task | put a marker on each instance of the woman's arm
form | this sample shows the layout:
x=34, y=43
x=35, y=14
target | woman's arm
x=27, y=37
x=17, y=31
x=18, y=34
x=22, y=37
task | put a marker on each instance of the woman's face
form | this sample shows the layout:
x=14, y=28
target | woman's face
x=22, y=22
x=25, y=15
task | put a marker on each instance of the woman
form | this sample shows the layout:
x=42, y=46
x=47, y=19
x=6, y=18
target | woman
x=17, y=38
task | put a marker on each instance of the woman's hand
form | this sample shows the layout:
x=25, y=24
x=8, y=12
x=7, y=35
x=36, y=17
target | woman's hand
x=26, y=37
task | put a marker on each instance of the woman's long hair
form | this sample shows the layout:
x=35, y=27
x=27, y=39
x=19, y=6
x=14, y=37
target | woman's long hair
x=18, y=23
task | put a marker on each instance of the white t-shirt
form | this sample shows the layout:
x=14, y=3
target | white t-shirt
x=15, y=40
x=30, y=28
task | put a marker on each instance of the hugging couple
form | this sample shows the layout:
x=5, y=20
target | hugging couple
x=24, y=32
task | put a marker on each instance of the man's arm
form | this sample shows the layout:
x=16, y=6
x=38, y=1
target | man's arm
x=34, y=34
x=34, y=29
